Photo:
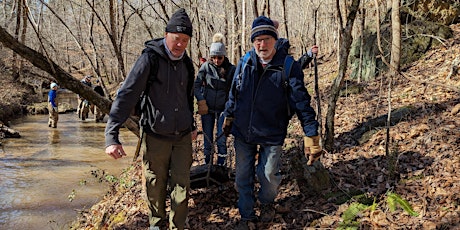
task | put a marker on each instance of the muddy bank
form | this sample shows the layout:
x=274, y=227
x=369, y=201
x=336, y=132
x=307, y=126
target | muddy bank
x=14, y=98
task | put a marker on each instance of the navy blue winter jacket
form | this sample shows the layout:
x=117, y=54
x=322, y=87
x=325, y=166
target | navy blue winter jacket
x=258, y=101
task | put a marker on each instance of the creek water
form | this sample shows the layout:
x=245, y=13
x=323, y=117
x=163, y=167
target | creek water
x=41, y=171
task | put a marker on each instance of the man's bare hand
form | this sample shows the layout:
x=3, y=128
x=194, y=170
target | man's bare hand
x=115, y=151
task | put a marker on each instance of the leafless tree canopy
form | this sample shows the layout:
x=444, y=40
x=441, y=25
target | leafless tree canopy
x=105, y=37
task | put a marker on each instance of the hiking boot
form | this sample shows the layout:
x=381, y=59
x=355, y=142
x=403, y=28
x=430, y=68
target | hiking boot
x=245, y=225
x=267, y=213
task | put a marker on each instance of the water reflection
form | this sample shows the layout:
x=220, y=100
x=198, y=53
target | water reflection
x=54, y=136
x=40, y=170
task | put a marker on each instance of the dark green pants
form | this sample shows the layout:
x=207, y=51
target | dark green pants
x=167, y=161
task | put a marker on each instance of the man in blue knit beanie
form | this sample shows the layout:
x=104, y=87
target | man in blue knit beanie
x=257, y=114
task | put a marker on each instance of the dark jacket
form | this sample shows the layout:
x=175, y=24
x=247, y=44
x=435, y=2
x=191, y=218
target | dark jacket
x=213, y=83
x=99, y=90
x=171, y=95
x=259, y=102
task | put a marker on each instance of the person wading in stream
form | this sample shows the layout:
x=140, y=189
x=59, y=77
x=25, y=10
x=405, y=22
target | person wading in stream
x=53, y=106
x=167, y=120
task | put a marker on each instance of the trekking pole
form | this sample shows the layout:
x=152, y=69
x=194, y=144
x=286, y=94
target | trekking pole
x=318, y=100
x=138, y=146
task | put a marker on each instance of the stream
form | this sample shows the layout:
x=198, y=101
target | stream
x=45, y=176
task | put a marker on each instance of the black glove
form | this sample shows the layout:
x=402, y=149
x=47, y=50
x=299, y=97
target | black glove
x=227, y=126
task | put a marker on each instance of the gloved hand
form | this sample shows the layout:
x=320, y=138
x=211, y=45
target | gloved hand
x=55, y=109
x=312, y=150
x=202, y=107
x=227, y=126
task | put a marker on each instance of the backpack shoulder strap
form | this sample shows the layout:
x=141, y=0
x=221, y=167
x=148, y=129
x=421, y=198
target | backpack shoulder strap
x=141, y=105
x=288, y=61
x=154, y=65
x=246, y=58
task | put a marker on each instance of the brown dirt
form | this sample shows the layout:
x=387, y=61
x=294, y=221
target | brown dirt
x=14, y=98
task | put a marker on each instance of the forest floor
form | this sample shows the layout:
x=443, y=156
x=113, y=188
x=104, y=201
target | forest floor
x=417, y=186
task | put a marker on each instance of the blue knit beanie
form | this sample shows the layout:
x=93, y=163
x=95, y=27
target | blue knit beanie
x=263, y=26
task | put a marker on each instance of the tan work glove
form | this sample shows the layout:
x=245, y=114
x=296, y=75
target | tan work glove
x=202, y=107
x=311, y=149
x=227, y=126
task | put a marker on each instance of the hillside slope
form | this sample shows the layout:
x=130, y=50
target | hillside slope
x=425, y=140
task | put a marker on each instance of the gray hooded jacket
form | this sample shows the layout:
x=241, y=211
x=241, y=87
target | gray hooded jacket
x=170, y=93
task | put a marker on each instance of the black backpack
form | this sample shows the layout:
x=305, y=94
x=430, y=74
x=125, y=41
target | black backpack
x=144, y=107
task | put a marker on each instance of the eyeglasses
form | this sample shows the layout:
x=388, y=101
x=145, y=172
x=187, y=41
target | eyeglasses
x=258, y=41
x=218, y=57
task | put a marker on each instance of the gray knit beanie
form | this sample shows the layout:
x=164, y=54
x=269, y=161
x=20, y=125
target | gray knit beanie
x=217, y=46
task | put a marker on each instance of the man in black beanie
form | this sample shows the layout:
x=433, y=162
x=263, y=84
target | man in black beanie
x=257, y=114
x=163, y=78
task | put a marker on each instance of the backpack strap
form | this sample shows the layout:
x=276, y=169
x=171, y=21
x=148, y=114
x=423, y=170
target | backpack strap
x=288, y=61
x=246, y=58
x=153, y=59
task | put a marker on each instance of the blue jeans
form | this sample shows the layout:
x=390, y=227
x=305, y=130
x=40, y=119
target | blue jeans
x=267, y=171
x=207, y=122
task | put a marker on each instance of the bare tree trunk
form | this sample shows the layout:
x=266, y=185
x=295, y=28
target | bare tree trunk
x=236, y=54
x=396, y=38
x=24, y=12
x=268, y=8
x=15, y=65
x=243, y=26
x=255, y=11
x=345, y=45
x=283, y=4
x=361, y=46
x=394, y=68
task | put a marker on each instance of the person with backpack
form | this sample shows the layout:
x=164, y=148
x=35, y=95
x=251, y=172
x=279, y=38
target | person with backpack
x=212, y=84
x=268, y=87
x=163, y=77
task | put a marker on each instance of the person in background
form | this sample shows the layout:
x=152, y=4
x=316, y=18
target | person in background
x=83, y=106
x=202, y=61
x=257, y=115
x=98, y=114
x=212, y=84
x=168, y=124
x=282, y=45
x=53, y=106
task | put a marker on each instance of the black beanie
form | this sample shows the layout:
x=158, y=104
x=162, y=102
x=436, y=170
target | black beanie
x=263, y=26
x=180, y=23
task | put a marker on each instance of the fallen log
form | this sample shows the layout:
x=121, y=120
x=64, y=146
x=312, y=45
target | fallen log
x=6, y=132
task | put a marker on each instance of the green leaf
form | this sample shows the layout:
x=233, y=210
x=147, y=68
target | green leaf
x=393, y=199
x=352, y=211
